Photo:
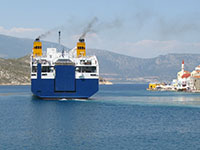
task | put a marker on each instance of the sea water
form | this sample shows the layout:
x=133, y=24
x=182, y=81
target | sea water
x=117, y=117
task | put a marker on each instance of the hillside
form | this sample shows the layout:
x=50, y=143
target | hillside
x=14, y=71
x=115, y=67
x=121, y=68
x=12, y=47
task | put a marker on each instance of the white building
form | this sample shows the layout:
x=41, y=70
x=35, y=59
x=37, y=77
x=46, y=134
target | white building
x=183, y=79
x=195, y=79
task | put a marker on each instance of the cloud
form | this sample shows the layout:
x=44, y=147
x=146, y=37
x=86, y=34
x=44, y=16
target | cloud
x=153, y=48
x=20, y=31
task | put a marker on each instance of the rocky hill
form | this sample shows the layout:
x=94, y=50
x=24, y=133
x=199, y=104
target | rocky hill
x=15, y=71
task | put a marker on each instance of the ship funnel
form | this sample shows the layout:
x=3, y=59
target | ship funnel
x=81, y=48
x=37, y=47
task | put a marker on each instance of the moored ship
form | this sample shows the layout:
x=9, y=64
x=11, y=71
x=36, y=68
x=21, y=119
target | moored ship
x=58, y=75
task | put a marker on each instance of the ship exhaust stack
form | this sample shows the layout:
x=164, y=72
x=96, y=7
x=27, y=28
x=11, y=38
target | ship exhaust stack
x=81, y=52
x=37, y=48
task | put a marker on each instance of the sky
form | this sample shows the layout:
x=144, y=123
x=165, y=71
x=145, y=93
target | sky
x=138, y=28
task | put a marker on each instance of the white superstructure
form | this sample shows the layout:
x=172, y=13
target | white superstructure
x=86, y=67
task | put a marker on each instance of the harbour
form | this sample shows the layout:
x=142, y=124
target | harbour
x=186, y=81
x=100, y=75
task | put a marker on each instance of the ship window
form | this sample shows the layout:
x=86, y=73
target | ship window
x=47, y=68
x=34, y=68
x=86, y=69
x=81, y=47
x=38, y=47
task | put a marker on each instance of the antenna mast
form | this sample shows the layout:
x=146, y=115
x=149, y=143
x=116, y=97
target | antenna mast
x=59, y=34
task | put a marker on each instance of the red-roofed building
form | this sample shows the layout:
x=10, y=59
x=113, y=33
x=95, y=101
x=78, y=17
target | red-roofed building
x=186, y=75
x=183, y=77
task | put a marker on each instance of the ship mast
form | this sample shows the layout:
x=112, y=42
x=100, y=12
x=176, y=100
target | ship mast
x=59, y=34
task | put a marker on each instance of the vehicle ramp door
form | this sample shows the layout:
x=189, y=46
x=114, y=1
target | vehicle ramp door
x=65, y=78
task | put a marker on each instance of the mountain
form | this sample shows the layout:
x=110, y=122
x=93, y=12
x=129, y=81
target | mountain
x=12, y=47
x=122, y=68
x=115, y=67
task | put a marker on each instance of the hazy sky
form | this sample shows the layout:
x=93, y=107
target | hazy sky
x=140, y=28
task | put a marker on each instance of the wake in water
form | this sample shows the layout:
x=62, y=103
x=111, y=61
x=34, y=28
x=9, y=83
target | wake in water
x=81, y=100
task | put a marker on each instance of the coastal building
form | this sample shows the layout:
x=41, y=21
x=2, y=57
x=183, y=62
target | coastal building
x=196, y=84
x=183, y=78
x=153, y=86
x=195, y=78
x=196, y=72
x=185, y=81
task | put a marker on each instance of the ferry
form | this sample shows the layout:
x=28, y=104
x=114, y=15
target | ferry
x=63, y=74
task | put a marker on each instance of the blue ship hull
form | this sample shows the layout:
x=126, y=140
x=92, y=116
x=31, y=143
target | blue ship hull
x=65, y=85
x=46, y=89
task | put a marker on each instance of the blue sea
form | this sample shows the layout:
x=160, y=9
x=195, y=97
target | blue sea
x=118, y=117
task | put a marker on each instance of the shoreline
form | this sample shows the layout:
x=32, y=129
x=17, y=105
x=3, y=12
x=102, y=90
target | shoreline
x=11, y=84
